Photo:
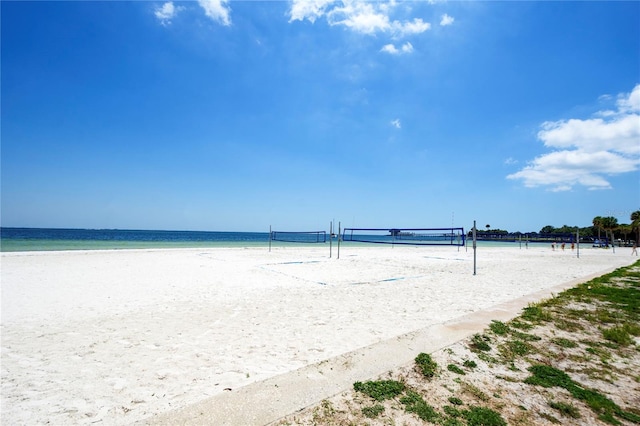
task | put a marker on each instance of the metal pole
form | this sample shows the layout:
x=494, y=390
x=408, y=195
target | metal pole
x=339, y=238
x=330, y=238
x=613, y=243
x=474, y=247
x=578, y=242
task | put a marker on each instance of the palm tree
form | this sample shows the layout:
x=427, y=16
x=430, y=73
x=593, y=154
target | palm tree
x=625, y=230
x=635, y=223
x=597, y=223
x=610, y=224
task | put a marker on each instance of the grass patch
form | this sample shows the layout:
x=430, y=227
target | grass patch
x=564, y=343
x=513, y=349
x=455, y=369
x=414, y=403
x=567, y=410
x=520, y=325
x=373, y=411
x=499, y=328
x=547, y=376
x=526, y=336
x=479, y=342
x=380, y=390
x=452, y=411
x=619, y=335
x=550, y=418
x=608, y=316
x=536, y=314
x=323, y=412
x=455, y=401
x=426, y=365
x=482, y=416
x=474, y=391
x=566, y=325
x=470, y=364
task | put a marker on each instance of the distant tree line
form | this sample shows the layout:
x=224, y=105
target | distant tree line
x=601, y=227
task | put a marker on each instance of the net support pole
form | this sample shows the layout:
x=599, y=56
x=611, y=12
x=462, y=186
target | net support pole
x=330, y=239
x=474, y=247
x=578, y=243
x=613, y=242
x=269, y=238
x=339, y=238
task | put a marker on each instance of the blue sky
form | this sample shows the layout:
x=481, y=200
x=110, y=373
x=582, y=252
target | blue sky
x=234, y=116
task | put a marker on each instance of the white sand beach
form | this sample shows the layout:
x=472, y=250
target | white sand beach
x=123, y=336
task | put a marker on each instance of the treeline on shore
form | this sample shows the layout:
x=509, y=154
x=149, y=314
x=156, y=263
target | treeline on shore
x=602, y=229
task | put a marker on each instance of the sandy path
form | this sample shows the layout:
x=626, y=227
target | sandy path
x=114, y=337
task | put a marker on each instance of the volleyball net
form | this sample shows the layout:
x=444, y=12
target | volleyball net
x=408, y=236
x=311, y=237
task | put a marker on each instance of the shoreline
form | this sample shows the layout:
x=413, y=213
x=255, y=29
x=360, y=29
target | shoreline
x=41, y=246
x=119, y=336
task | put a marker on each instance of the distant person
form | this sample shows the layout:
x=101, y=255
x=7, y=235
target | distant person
x=573, y=246
x=562, y=246
x=634, y=250
x=553, y=246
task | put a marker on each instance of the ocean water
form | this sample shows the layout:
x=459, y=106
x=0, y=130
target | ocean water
x=46, y=239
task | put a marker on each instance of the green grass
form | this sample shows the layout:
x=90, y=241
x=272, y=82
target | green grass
x=482, y=416
x=380, y=390
x=479, y=342
x=373, y=411
x=547, y=376
x=455, y=401
x=618, y=334
x=526, y=336
x=415, y=404
x=520, y=325
x=470, y=364
x=564, y=343
x=455, y=369
x=567, y=325
x=499, y=328
x=536, y=314
x=474, y=390
x=567, y=410
x=512, y=349
x=427, y=365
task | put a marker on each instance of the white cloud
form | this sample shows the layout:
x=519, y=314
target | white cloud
x=396, y=123
x=620, y=133
x=446, y=20
x=360, y=16
x=166, y=12
x=308, y=9
x=630, y=104
x=407, y=47
x=416, y=26
x=391, y=49
x=217, y=10
x=588, y=150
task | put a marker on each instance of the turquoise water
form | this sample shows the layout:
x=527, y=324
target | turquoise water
x=39, y=239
